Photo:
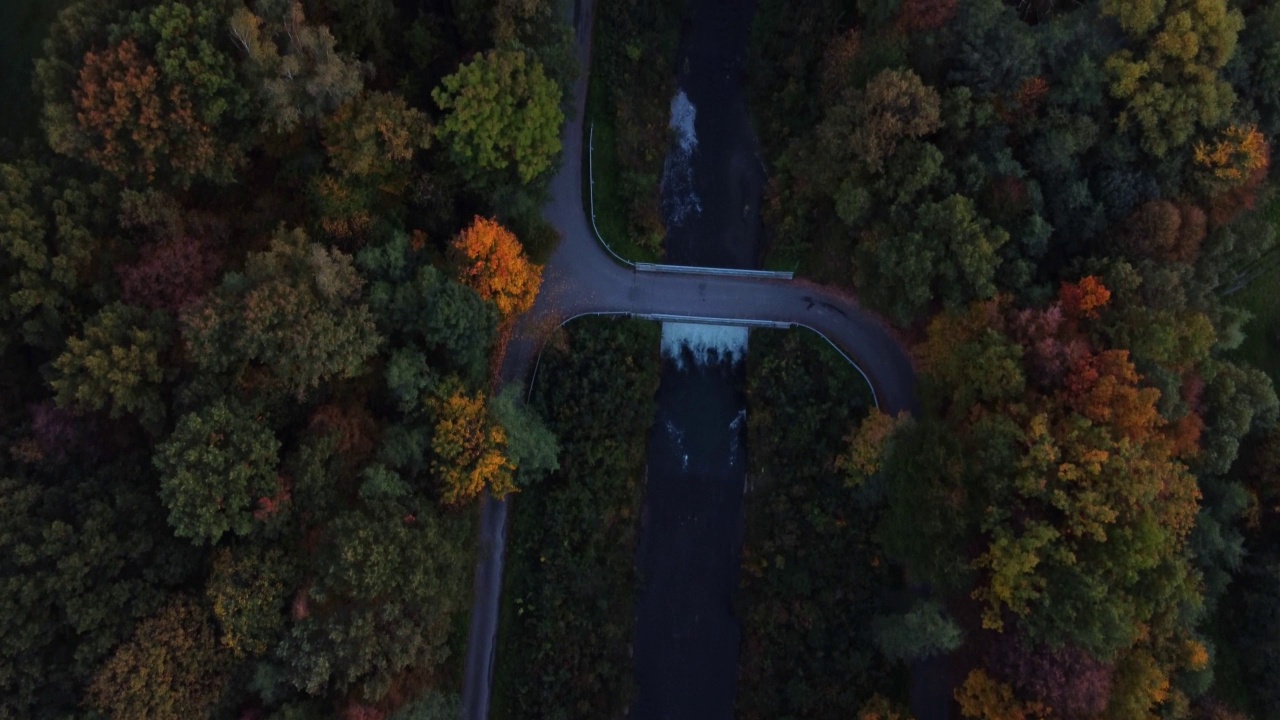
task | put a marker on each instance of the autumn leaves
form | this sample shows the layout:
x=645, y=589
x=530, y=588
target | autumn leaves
x=470, y=445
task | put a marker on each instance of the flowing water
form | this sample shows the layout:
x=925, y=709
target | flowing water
x=687, y=636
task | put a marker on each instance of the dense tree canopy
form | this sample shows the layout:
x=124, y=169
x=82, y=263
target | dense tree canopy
x=229, y=315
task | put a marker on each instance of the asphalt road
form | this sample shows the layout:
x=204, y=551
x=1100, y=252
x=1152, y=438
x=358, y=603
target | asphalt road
x=582, y=278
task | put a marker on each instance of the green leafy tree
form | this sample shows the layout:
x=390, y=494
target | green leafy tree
x=87, y=553
x=387, y=590
x=1170, y=80
x=428, y=317
x=1260, y=56
x=248, y=589
x=295, y=310
x=502, y=116
x=923, y=631
x=115, y=364
x=948, y=251
x=48, y=253
x=532, y=447
x=214, y=468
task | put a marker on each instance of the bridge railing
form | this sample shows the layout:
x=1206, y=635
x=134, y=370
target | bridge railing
x=696, y=270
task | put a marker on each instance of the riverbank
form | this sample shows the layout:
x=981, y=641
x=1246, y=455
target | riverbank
x=812, y=576
x=566, y=625
x=714, y=176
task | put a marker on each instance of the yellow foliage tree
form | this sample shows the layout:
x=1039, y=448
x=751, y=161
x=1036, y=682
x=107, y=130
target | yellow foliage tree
x=470, y=450
x=982, y=697
x=1233, y=158
x=491, y=260
x=867, y=446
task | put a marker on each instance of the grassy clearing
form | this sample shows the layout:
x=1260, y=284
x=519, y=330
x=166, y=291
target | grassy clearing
x=23, y=26
x=610, y=206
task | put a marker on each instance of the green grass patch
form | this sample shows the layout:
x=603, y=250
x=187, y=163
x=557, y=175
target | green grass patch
x=1261, y=345
x=23, y=26
x=610, y=206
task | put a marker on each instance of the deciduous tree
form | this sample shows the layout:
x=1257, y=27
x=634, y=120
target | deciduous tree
x=295, y=310
x=301, y=75
x=1170, y=80
x=214, y=467
x=491, y=260
x=116, y=364
x=470, y=450
x=923, y=631
x=160, y=101
x=170, y=274
x=502, y=116
x=374, y=137
x=170, y=670
x=248, y=593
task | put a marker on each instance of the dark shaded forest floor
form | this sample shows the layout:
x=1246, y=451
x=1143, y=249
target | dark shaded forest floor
x=23, y=25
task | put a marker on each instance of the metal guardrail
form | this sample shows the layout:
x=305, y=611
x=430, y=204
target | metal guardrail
x=591, y=179
x=731, y=272
x=698, y=320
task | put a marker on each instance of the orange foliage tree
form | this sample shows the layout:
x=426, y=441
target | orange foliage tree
x=491, y=260
x=135, y=123
x=1231, y=159
x=1232, y=169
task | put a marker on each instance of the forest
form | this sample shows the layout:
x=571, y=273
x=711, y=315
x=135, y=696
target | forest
x=1068, y=210
x=258, y=260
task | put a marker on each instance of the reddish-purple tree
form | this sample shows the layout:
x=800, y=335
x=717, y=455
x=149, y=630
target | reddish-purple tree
x=170, y=274
x=1067, y=679
x=56, y=431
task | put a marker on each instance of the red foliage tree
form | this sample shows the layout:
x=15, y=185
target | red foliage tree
x=170, y=274
x=1068, y=680
x=1162, y=230
x=924, y=15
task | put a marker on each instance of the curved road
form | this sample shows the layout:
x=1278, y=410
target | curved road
x=582, y=278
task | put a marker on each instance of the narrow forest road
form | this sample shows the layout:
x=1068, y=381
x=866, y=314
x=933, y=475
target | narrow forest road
x=581, y=278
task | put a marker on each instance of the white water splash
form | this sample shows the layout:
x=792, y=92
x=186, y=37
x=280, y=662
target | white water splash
x=735, y=437
x=679, y=201
x=707, y=343
x=683, y=115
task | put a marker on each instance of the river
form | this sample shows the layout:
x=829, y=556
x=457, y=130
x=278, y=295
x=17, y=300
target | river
x=687, y=636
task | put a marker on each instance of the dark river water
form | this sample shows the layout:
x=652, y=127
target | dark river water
x=687, y=637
